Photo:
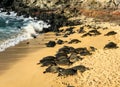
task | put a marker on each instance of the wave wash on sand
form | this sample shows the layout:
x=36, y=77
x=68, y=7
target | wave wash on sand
x=17, y=29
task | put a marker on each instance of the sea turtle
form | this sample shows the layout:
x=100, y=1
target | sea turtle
x=46, y=61
x=86, y=34
x=74, y=41
x=111, y=33
x=91, y=48
x=81, y=68
x=83, y=51
x=81, y=30
x=51, y=44
x=63, y=61
x=74, y=57
x=94, y=32
x=61, y=54
x=110, y=45
x=52, y=69
x=60, y=41
x=66, y=49
x=67, y=72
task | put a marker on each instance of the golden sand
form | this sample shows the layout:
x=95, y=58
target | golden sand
x=18, y=65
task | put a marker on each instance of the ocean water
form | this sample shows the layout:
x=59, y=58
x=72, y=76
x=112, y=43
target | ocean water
x=14, y=29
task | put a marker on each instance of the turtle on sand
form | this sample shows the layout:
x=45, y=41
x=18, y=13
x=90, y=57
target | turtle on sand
x=111, y=33
x=74, y=57
x=74, y=41
x=80, y=68
x=67, y=72
x=110, y=45
x=52, y=69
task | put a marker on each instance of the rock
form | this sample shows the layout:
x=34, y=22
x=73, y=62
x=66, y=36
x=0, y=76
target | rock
x=60, y=41
x=80, y=68
x=52, y=69
x=34, y=36
x=110, y=45
x=74, y=41
x=67, y=72
x=8, y=13
x=74, y=57
x=111, y=33
x=51, y=44
x=83, y=51
x=28, y=43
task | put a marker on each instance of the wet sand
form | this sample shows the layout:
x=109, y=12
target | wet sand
x=18, y=65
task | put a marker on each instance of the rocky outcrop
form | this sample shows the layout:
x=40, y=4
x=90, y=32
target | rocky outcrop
x=90, y=4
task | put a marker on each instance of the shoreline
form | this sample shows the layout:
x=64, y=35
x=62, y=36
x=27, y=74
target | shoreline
x=20, y=69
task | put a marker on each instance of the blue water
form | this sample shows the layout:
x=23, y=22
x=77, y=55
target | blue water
x=14, y=29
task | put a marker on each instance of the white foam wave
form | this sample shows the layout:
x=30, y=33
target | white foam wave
x=27, y=30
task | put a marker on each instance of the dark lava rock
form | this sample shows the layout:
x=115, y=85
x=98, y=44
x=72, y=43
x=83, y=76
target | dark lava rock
x=52, y=69
x=67, y=72
x=111, y=45
x=81, y=68
x=51, y=44
x=83, y=51
x=74, y=41
x=55, y=20
x=60, y=41
x=111, y=33
x=74, y=57
x=8, y=13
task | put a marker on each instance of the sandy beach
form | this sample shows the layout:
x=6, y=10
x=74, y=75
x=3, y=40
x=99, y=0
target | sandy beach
x=18, y=65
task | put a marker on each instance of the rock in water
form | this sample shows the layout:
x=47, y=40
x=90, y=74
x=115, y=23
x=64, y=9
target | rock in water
x=51, y=44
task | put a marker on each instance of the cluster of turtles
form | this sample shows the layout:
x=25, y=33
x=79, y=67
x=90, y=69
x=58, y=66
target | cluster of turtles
x=65, y=56
x=52, y=43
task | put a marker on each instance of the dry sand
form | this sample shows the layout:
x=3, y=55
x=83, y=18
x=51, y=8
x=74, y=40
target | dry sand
x=18, y=65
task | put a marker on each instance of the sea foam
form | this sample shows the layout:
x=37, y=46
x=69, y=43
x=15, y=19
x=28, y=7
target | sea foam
x=24, y=32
